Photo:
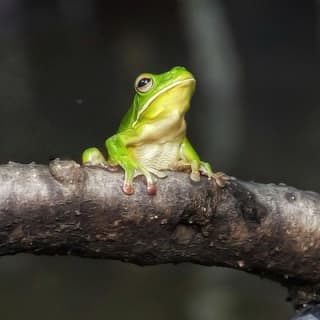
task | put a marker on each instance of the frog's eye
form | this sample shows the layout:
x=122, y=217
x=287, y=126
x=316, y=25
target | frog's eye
x=143, y=84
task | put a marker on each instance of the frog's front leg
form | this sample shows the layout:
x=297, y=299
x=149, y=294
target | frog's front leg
x=120, y=154
x=190, y=156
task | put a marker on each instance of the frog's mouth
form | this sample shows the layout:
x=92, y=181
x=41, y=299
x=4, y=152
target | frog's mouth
x=179, y=83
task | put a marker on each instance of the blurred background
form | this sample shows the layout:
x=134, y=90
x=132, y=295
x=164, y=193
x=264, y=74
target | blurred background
x=67, y=69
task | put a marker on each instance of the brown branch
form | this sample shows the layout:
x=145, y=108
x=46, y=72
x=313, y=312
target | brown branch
x=266, y=229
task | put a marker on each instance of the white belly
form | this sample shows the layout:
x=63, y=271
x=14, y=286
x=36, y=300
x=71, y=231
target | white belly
x=158, y=156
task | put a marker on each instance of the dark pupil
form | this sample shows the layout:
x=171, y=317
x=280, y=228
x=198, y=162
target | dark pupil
x=143, y=82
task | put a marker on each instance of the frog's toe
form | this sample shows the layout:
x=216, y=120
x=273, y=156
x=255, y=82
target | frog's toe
x=151, y=189
x=195, y=175
x=220, y=178
x=151, y=186
x=127, y=188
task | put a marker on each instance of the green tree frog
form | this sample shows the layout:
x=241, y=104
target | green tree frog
x=151, y=138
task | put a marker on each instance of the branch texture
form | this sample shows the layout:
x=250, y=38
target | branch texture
x=267, y=229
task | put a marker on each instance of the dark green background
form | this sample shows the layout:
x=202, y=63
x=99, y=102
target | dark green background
x=66, y=78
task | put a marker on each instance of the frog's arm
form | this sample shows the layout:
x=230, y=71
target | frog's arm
x=189, y=155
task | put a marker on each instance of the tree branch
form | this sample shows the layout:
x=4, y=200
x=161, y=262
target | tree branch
x=266, y=229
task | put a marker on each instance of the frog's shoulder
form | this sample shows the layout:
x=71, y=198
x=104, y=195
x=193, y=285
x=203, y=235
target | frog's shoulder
x=129, y=118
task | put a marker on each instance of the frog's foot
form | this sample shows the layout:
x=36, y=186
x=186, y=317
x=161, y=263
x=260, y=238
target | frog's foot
x=132, y=171
x=151, y=186
x=184, y=166
x=127, y=188
x=148, y=173
x=195, y=171
x=220, y=178
x=190, y=167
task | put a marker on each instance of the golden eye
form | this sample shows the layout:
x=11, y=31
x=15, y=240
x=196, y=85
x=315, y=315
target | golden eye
x=143, y=84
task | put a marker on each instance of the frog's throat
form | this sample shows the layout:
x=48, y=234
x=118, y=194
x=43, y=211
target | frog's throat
x=147, y=104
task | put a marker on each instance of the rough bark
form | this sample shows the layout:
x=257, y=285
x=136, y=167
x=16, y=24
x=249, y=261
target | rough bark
x=266, y=229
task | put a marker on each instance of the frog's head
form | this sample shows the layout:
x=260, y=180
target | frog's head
x=170, y=90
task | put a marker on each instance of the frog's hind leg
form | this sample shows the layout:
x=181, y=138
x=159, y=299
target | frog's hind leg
x=190, y=158
x=198, y=167
x=93, y=157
